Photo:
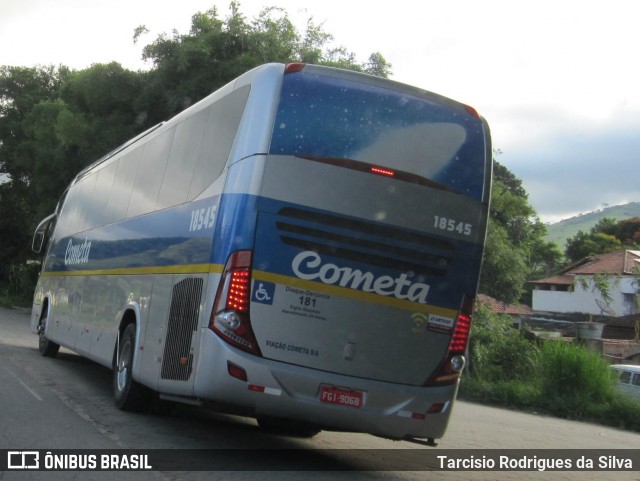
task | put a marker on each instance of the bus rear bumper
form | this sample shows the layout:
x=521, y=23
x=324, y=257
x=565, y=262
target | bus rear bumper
x=288, y=391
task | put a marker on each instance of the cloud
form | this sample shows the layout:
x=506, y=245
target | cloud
x=569, y=165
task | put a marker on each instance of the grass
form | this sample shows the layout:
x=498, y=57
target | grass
x=552, y=377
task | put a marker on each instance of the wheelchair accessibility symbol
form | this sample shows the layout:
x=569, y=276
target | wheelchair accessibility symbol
x=263, y=292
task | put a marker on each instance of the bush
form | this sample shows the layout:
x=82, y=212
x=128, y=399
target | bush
x=21, y=283
x=558, y=378
x=572, y=379
x=498, y=352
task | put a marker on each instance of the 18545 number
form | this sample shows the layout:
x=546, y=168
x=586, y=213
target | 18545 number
x=202, y=218
x=452, y=225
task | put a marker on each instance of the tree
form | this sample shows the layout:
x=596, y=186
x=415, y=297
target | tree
x=189, y=66
x=25, y=94
x=627, y=231
x=55, y=121
x=606, y=236
x=21, y=89
x=515, y=251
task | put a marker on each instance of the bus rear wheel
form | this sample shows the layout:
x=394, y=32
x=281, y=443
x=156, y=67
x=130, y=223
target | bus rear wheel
x=127, y=393
x=47, y=347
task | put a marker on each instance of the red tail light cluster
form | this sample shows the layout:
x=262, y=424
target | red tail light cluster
x=451, y=368
x=238, y=296
x=230, y=316
x=460, y=336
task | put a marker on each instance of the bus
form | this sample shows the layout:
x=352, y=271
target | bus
x=303, y=246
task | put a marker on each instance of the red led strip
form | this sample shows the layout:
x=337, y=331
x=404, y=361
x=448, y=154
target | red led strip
x=387, y=172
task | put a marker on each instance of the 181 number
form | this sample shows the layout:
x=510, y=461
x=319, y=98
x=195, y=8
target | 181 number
x=451, y=225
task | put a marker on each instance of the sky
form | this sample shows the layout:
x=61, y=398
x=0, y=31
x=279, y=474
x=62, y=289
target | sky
x=557, y=80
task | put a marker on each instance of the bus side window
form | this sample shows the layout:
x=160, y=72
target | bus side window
x=625, y=377
x=636, y=379
x=74, y=214
x=101, y=194
x=184, y=153
x=123, y=185
x=220, y=132
x=150, y=173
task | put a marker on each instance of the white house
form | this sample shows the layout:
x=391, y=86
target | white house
x=575, y=288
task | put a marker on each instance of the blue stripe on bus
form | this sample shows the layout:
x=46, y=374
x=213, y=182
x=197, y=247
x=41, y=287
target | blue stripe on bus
x=187, y=237
x=172, y=237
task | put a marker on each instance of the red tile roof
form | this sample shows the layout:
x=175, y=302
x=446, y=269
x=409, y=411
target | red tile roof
x=560, y=279
x=618, y=263
x=613, y=263
x=499, y=307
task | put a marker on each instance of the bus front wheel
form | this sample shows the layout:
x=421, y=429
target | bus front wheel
x=127, y=393
x=47, y=347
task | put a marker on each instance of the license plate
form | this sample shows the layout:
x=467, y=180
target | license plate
x=341, y=396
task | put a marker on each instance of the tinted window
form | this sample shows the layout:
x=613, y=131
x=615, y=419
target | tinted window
x=123, y=185
x=150, y=173
x=625, y=376
x=220, y=132
x=101, y=194
x=77, y=211
x=320, y=116
x=182, y=160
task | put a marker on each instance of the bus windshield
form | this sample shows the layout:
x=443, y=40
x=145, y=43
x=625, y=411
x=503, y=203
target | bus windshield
x=329, y=117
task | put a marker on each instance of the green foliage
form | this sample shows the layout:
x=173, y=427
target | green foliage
x=573, y=379
x=584, y=245
x=515, y=250
x=504, y=269
x=55, y=121
x=498, y=351
x=606, y=236
x=555, y=377
x=18, y=289
x=565, y=229
x=189, y=66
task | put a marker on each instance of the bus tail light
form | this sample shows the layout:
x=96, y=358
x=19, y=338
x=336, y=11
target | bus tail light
x=230, y=316
x=381, y=171
x=450, y=369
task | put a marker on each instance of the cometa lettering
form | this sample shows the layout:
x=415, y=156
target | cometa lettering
x=308, y=265
x=77, y=253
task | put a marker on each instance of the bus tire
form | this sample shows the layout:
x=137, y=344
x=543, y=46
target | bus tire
x=46, y=346
x=287, y=427
x=128, y=395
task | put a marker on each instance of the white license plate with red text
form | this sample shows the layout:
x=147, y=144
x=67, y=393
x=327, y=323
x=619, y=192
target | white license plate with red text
x=341, y=396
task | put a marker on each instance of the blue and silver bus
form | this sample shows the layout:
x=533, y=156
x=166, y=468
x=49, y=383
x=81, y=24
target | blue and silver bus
x=302, y=246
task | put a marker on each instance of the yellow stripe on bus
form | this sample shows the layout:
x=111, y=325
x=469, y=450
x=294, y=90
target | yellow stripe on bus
x=133, y=271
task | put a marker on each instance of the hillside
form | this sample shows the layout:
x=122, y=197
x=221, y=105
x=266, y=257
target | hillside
x=561, y=231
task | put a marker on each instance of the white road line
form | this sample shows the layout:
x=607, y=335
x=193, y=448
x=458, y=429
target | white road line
x=31, y=391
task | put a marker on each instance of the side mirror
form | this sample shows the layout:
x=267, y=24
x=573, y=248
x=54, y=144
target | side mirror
x=42, y=234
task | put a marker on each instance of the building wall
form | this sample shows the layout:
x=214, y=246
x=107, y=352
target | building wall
x=584, y=300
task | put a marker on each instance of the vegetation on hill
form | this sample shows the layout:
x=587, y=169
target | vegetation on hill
x=559, y=232
x=606, y=236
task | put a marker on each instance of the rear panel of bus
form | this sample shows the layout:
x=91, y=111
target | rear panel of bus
x=364, y=238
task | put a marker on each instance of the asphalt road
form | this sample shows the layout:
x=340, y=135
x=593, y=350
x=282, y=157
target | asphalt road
x=65, y=403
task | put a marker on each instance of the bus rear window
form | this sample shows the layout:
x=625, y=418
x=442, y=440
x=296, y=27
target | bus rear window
x=330, y=117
